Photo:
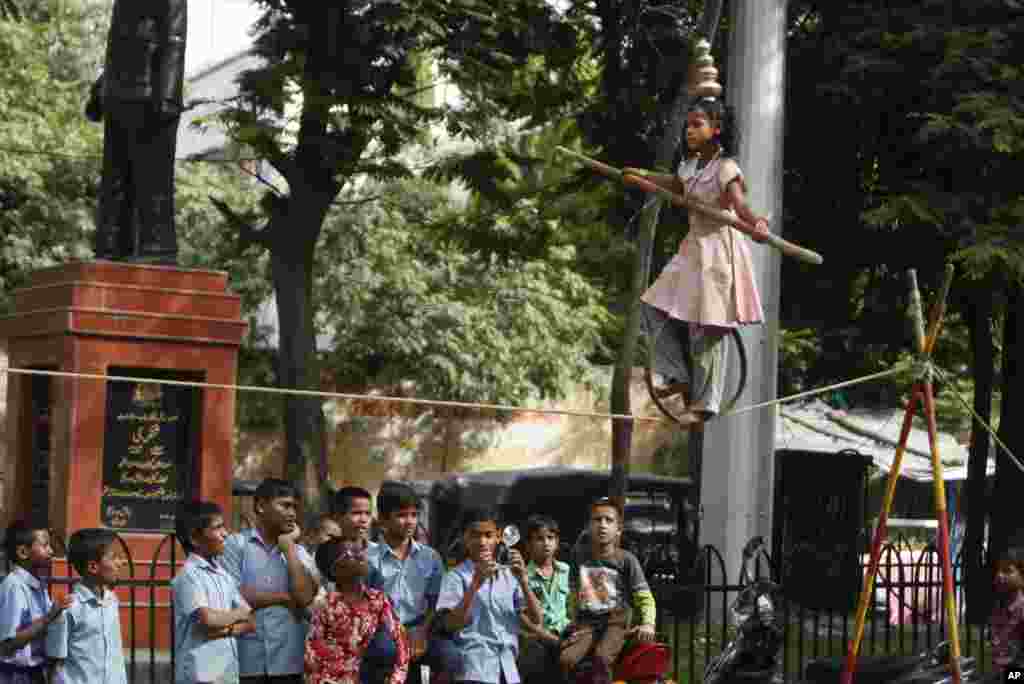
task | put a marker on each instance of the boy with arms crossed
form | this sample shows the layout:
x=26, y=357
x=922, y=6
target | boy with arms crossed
x=209, y=611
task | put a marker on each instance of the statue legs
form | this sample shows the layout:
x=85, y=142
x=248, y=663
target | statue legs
x=136, y=206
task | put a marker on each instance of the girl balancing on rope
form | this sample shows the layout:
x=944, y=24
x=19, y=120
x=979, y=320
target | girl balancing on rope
x=708, y=288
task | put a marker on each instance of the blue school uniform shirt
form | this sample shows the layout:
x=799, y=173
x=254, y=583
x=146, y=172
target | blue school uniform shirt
x=23, y=598
x=87, y=637
x=203, y=584
x=412, y=584
x=489, y=642
x=278, y=645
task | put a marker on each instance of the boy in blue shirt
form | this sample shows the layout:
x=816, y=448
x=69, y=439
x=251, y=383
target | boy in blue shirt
x=279, y=580
x=352, y=511
x=209, y=611
x=25, y=607
x=410, y=574
x=482, y=602
x=85, y=639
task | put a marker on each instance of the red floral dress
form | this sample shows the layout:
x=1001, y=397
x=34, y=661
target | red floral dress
x=340, y=632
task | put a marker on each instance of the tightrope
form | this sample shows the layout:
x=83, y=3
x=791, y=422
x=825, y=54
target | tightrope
x=988, y=428
x=436, y=402
x=336, y=395
x=898, y=368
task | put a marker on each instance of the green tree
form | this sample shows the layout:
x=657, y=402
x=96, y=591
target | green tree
x=336, y=101
x=928, y=98
x=404, y=302
x=49, y=154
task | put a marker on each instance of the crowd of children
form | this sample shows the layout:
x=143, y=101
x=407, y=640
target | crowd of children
x=267, y=605
x=258, y=607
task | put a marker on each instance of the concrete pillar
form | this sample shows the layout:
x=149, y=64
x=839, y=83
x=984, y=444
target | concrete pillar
x=738, y=456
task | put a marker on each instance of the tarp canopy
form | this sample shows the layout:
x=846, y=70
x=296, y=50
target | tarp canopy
x=815, y=426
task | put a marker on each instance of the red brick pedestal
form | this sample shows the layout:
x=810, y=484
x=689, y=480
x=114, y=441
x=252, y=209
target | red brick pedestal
x=90, y=317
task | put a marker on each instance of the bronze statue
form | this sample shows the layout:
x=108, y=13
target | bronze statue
x=139, y=99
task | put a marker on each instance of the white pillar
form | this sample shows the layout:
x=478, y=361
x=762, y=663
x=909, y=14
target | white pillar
x=738, y=456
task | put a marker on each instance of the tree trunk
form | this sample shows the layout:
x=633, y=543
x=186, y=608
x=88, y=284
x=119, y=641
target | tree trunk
x=983, y=355
x=622, y=430
x=291, y=268
x=1005, y=518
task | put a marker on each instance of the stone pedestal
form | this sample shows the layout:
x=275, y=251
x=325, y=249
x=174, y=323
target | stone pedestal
x=69, y=459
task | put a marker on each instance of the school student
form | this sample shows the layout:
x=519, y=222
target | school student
x=85, y=640
x=279, y=580
x=209, y=611
x=26, y=611
x=482, y=602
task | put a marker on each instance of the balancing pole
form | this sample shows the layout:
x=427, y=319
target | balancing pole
x=922, y=393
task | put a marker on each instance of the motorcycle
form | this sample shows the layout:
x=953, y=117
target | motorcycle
x=639, y=663
x=931, y=667
x=753, y=656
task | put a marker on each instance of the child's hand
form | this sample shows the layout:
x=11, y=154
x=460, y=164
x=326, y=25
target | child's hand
x=761, y=230
x=289, y=538
x=485, y=570
x=645, y=633
x=59, y=606
x=518, y=565
x=219, y=633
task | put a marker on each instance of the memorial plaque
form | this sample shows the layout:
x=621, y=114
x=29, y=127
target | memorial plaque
x=147, y=453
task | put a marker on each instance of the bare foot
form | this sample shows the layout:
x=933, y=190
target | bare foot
x=672, y=389
x=691, y=419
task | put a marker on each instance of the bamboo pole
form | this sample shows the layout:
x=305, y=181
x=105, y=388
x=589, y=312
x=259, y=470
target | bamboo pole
x=784, y=246
x=938, y=313
x=916, y=311
x=922, y=394
x=943, y=518
x=771, y=239
x=876, y=544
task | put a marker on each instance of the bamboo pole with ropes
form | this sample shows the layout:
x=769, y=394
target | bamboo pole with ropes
x=922, y=395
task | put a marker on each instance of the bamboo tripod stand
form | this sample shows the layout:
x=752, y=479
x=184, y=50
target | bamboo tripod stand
x=922, y=395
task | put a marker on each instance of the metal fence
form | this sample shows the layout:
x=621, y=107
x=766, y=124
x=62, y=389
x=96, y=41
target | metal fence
x=906, y=616
x=909, y=585
x=144, y=592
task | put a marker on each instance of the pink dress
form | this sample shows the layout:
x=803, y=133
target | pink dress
x=710, y=280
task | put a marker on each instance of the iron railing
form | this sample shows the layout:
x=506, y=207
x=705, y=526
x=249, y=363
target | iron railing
x=690, y=606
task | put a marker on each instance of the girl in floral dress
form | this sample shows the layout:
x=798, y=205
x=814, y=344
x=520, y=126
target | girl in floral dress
x=708, y=288
x=345, y=620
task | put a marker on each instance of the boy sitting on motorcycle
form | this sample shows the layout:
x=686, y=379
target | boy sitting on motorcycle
x=611, y=585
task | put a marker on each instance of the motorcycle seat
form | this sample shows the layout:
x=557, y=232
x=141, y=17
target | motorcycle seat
x=870, y=669
x=642, y=661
